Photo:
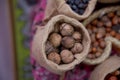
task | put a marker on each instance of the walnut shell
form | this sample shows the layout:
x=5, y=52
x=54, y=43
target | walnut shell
x=78, y=47
x=66, y=29
x=77, y=36
x=55, y=39
x=55, y=57
x=68, y=42
x=67, y=56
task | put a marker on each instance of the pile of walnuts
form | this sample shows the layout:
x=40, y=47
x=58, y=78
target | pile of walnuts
x=63, y=43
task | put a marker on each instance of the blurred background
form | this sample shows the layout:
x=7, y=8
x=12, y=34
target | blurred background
x=15, y=27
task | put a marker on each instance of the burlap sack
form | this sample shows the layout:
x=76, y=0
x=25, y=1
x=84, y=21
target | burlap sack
x=41, y=36
x=108, y=1
x=55, y=7
x=109, y=40
x=101, y=71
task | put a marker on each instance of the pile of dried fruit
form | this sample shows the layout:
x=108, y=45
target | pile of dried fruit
x=99, y=29
x=78, y=6
x=63, y=43
x=113, y=76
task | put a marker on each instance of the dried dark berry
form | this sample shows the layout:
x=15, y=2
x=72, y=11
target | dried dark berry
x=74, y=7
x=77, y=2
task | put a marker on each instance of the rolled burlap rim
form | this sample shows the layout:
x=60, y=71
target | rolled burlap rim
x=108, y=41
x=102, y=70
x=108, y=1
x=41, y=36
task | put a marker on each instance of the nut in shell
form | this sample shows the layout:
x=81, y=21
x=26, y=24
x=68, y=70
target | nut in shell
x=77, y=48
x=68, y=42
x=66, y=29
x=67, y=56
x=55, y=57
x=55, y=39
x=77, y=36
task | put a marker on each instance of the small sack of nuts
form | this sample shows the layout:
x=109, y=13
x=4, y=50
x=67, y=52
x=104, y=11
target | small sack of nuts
x=61, y=44
x=78, y=9
x=104, y=29
x=108, y=70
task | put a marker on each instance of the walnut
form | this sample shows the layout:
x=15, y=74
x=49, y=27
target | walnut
x=55, y=39
x=77, y=36
x=66, y=29
x=68, y=42
x=67, y=56
x=78, y=47
x=55, y=57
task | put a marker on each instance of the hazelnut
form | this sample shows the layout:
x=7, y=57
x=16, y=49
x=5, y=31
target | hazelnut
x=94, y=50
x=55, y=57
x=108, y=29
x=77, y=36
x=94, y=29
x=91, y=56
x=66, y=29
x=77, y=48
x=95, y=22
x=68, y=42
x=102, y=44
x=98, y=54
x=67, y=56
x=93, y=37
x=99, y=35
x=102, y=30
x=89, y=26
x=100, y=24
x=118, y=36
x=113, y=33
x=111, y=14
x=115, y=20
x=100, y=50
x=113, y=78
x=96, y=44
x=108, y=24
x=116, y=73
x=55, y=39
x=104, y=19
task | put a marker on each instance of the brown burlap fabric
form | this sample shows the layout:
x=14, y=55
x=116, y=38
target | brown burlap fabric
x=41, y=36
x=109, y=40
x=101, y=71
x=55, y=7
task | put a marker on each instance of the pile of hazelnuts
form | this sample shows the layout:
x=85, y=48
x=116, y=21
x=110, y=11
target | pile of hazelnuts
x=100, y=28
x=114, y=75
x=63, y=43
